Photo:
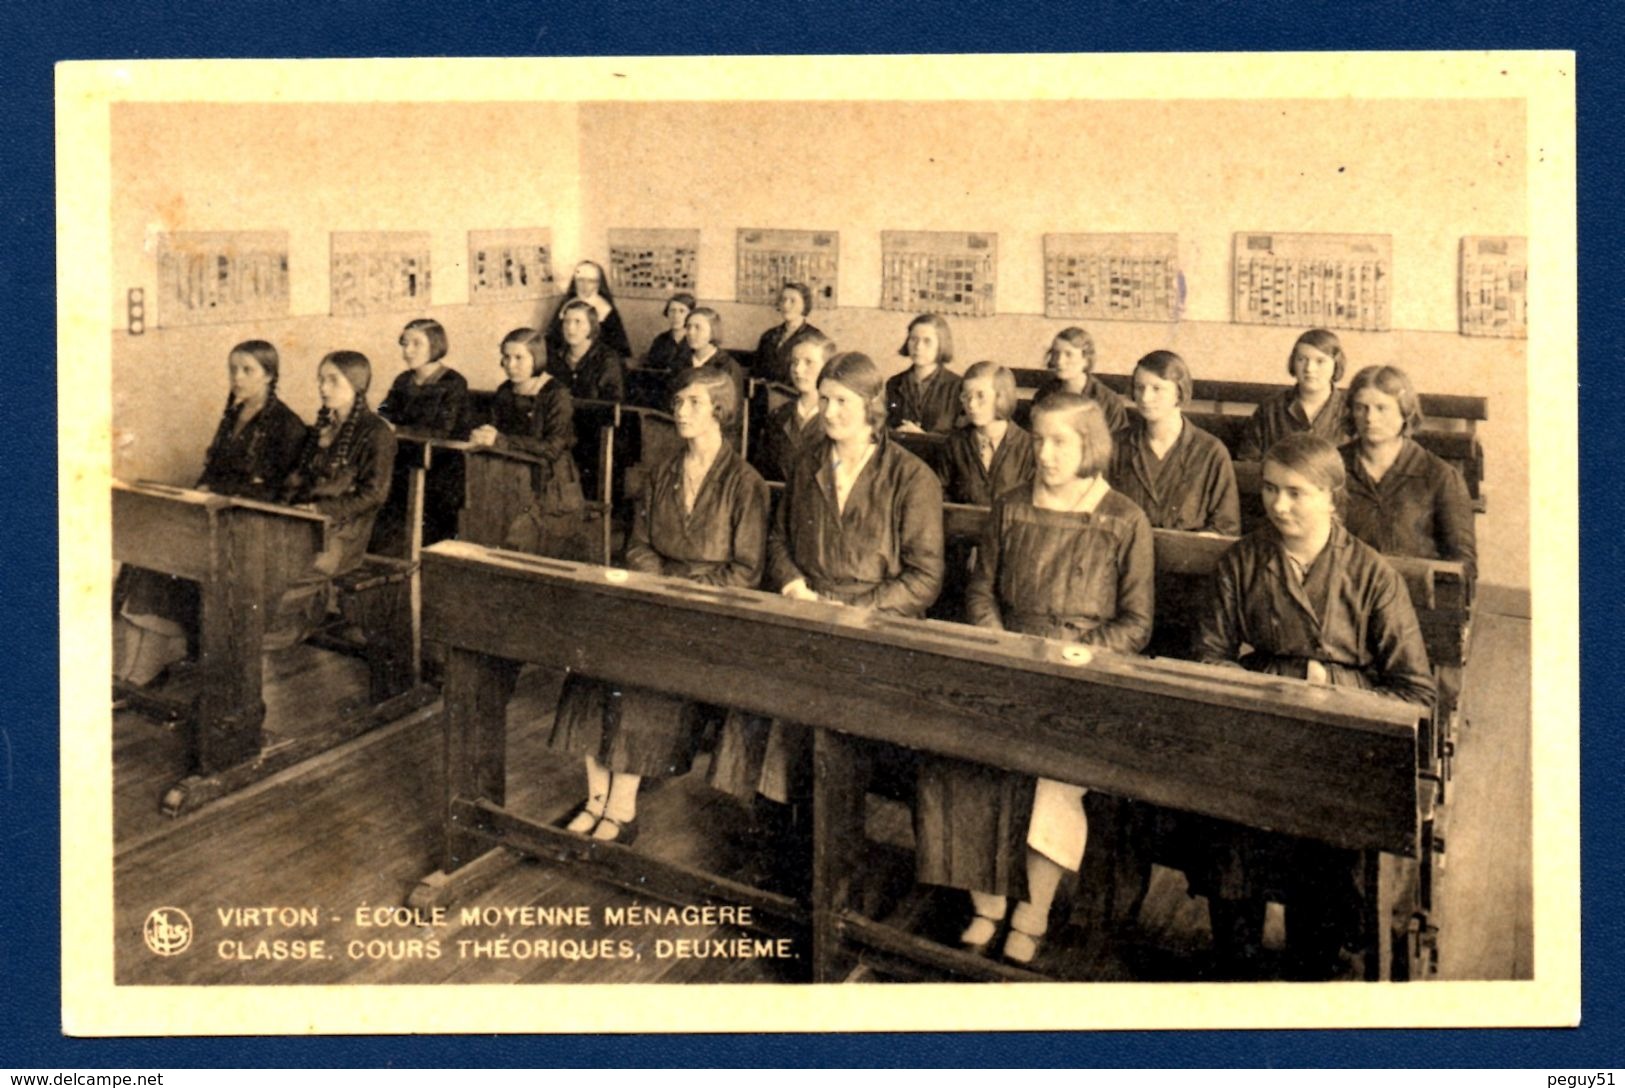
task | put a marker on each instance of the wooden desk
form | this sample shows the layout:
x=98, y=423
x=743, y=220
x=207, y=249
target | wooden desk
x=498, y=488
x=243, y=555
x=1439, y=590
x=1330, y=764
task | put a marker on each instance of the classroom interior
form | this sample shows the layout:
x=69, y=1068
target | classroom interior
x=359, y=823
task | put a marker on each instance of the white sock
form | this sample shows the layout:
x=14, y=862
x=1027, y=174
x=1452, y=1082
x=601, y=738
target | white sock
x=622, y=806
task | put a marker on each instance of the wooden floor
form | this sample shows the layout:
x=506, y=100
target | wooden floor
x=359, y=826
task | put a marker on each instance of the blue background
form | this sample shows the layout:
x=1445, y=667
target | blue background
x=37, y=37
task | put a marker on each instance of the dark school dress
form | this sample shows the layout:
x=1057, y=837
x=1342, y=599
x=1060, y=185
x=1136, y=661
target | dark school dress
x=1191, y=487
x=1350, y=612
x=883, y=551
x=784, y=437
x=1083, y=577
x=1112, y=405
x=252, y=464
x=720, y=542
x=437, y=408
x=668, y=351
x=542, y=425
x=348, y=481
x=965, y=479
x=1281, y=415
x=933, y=403
x=1420, y=507
x=772, y=362
x=600, y=374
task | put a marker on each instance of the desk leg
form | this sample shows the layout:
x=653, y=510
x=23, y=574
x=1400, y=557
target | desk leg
x=477, y=689
x=476, y=693
x=230, y=710
x=1400, y=945
x=838, y=797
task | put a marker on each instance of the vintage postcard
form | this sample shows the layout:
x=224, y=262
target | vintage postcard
x=636, y=544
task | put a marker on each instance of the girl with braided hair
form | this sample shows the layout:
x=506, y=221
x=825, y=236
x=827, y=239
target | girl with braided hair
x=255, y=446
x=343, y=472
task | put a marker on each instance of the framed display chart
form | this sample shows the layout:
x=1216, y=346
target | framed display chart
x=653, y=263
x=768, y=259
x=1335, y=281
x=1495, y=286
x=946, y=272
x=210, y=277
x=379, y=271
x=1123, y=277
x=504, y=265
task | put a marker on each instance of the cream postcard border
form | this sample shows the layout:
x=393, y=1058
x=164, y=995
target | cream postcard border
x=92, y=1005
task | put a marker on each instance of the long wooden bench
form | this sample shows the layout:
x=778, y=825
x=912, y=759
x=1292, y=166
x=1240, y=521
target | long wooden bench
x=1334, y=765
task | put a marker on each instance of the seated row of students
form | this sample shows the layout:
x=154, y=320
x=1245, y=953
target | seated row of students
x=260, y=443
x=1400, y=496
x=1065, y=555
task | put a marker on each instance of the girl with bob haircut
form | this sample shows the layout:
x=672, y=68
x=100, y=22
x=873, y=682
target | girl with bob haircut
x=1313, y=403
x=925, y=398
x=773, y=350
x=990, y=454
x=796, y=424
x=1066, y=558
x=256, y=444
x=1070, y=361
x=532, y=413
x=344, y=472
x=702, y=517
x=1180, y=475
x=859, y=524
x=589, y=285
x=704, y=335
x=1307, y=600
x=666, y=351
x=583, y=362
x=430, y=400
x=1401, y=500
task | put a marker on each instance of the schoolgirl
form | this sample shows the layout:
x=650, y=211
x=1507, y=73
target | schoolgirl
x=925, y=397
x=532, y=413
x=1312, y=403
x=703, y=517
x=1066, y=557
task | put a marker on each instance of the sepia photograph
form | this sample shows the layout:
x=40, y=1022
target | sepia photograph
x=763, y=543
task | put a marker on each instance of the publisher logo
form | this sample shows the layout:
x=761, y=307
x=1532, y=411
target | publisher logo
x=168, y=931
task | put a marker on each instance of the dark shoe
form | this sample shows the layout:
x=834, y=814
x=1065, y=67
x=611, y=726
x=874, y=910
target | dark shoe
x=1022, y=948
x=568, y=818
x=625, y=833
x=982, y=948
